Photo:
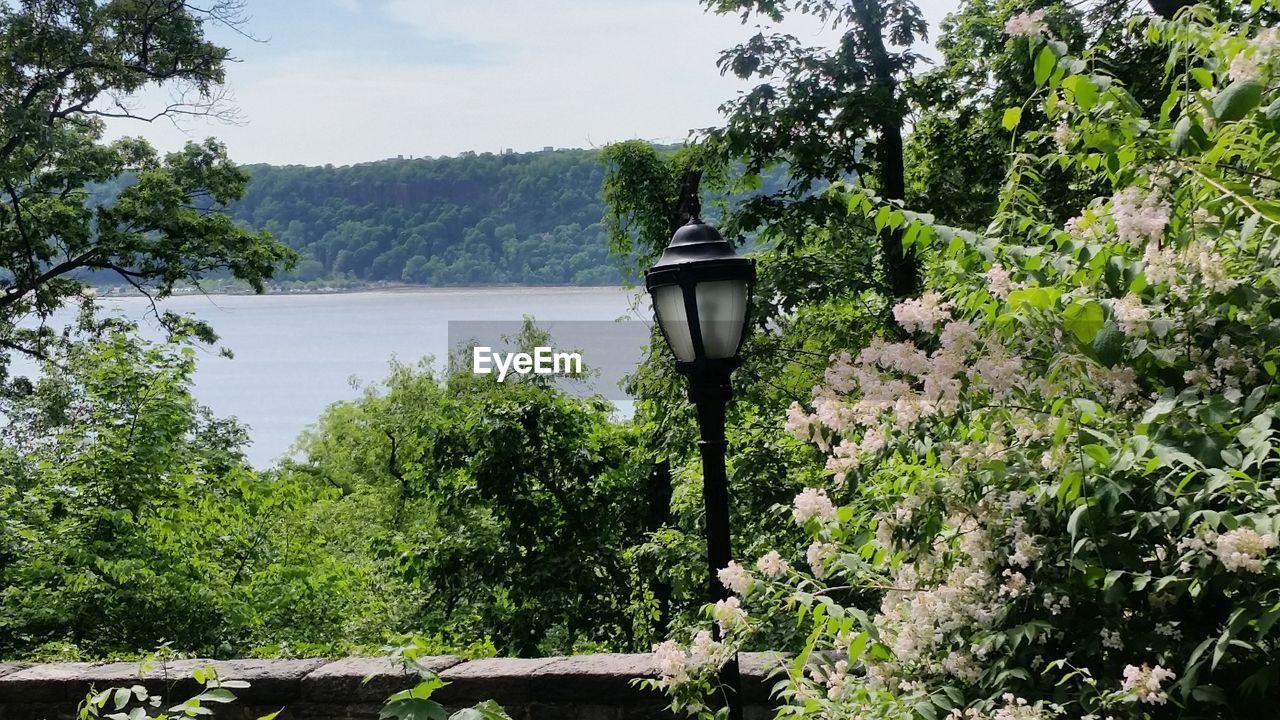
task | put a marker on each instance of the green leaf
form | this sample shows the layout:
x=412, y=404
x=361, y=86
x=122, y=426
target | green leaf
x=413, y=708
x=1237, y=100
x=233, y=684
x=1159, y=408
x=857, y=646
x=1111, y=578
x=1012, y=117
x=1077, y=515
x=101, y=698
x=1084, y=318
x=1083, y=90
x=218, y=695
x=926, y=709
x=1037, y=297
x=1108, y=344
x=1187, y=130
x=1097, y=453
x=487, y=710
x=1045, y=63
x=1272, y=113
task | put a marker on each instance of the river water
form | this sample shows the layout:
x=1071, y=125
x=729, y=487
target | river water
x=296, y=354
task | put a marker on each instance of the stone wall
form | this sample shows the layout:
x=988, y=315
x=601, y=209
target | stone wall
x=583, y=687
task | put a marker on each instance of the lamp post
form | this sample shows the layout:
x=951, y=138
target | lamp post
x=701, y=292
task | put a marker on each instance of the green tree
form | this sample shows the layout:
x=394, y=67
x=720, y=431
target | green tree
x=1055, y=498
x=506, y=507
x=130, y=517
x=826, y=114
x=67, y=65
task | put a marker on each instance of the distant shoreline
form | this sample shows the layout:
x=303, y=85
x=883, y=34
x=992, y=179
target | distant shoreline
x=391, y=289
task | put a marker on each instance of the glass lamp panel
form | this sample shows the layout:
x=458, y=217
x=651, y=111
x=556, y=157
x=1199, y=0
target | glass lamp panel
x=722, y=309
x=668, y=303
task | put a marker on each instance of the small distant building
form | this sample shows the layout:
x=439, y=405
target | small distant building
x=548, y=148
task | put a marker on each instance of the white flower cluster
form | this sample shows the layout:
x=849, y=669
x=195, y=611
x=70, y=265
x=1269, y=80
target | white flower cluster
x=800, y=423
x=1015, y=708
x=1026, y=550
x=1169, y=630
x=1056, y=604
x=919, y=620
x=735, y=577
x=1112, y=640
x=921, y=314
x=1162, y=267
x=1144, y=683
x=1247, y=65
x=1015, y=585
x=1244, y=67
x=819, y=555
x=772, y=565
x=901, y=382
x=999, y=281
x=1027, y=24
x=675, y=665
x=729, y=614
x=1132, y=317
x=1213, y=273
x=961, y=587
x=1243, y=549
x=835, y=677
x=1139, y=217
x=813, y=503
x=1064, y=137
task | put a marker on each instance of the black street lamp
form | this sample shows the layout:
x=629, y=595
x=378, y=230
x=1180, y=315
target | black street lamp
x=701, y=292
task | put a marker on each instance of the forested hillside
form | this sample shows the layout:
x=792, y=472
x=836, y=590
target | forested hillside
x=531, y=218
x=478, y=219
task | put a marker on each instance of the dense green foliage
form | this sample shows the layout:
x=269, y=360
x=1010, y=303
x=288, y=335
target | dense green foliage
x=531, y=219
x=1072, y=427
x=501, y=509
x=824, y=284
x=129, y=516
x=1053, y=494
x=458, y=506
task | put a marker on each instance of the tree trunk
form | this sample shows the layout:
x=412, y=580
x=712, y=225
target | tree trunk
x=658, y=514
x=688, y=203
x=901, y=269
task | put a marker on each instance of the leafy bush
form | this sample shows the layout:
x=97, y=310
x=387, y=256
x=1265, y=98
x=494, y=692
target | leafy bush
x=1058, y=479
x=137, y=703
x=128, y=516
x=499, y=510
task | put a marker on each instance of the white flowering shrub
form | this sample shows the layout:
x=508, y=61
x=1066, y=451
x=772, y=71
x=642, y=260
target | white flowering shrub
x=1059, y=483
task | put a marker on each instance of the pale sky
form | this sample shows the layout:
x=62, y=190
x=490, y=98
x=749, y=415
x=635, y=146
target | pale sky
x=346, y=81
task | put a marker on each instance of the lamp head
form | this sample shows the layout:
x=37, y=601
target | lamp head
x=701, y=290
